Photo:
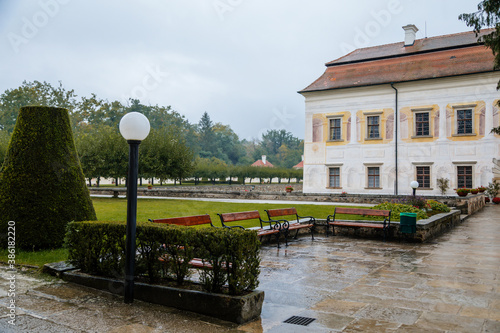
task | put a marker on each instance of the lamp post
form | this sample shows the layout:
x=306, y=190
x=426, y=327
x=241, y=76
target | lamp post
x=134, y=127
x=414, y=185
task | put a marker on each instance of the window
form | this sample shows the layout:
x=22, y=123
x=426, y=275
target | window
x=334, y=176
x=373, y=177
x=373, y=127
x=464, y=121
x=422, y=124
x=424, y=176
x=336, y=129
x=464, y=176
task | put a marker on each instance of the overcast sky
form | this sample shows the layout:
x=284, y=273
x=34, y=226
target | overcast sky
x=242, y=61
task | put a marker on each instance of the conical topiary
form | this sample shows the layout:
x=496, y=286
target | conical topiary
x=42, y=186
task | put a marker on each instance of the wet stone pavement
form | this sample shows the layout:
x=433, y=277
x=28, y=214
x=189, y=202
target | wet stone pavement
x=346, y=285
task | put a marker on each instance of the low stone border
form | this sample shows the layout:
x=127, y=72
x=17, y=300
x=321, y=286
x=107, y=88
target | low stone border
x=237, y=309
x=427, y=229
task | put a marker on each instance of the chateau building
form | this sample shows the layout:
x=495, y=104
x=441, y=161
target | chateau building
x=422, y=109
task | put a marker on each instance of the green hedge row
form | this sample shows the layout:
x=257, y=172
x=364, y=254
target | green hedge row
x=99, y=248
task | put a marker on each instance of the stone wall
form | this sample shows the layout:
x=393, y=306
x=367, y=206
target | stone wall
x=426, y=229
x=470, y=204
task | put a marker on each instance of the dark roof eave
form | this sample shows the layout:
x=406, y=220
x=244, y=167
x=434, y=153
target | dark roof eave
x=330, y=64
x=393, y=82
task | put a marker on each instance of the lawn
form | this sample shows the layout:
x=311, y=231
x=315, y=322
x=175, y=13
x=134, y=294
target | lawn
x=108, y=209
x=36, y=258
x=115, y=209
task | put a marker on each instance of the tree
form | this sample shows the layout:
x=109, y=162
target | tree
x=487, y=15
x=30, y=94
x=206, y=136
x=227, y=143
x=103, y=152
x=212, y=168
x=274, y=139
x=42, y=186
x=165, y=155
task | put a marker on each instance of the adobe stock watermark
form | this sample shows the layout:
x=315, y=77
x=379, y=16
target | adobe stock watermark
x=222, y=7
x=30, y=27
x=151, y=81
x=381, y=19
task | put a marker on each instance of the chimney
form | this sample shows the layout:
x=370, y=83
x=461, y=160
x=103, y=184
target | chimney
x=410, y=34
x=264, y=159
x=302, y=158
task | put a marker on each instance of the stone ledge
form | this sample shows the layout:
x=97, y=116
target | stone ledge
x=426, y=229
x=237, y=309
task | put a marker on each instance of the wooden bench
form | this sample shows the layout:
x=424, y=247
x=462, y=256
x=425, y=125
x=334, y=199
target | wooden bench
x=300, y=223
x=334, y=222
x=186, y=220
x=274, y=229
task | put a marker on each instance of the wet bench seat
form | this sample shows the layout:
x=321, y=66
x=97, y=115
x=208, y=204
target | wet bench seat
x=333, y=221
x=274, y=228
x=300, y=222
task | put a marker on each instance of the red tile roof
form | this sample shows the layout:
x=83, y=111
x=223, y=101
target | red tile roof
x=299, y=165
x=259, y=163
x=428, y=58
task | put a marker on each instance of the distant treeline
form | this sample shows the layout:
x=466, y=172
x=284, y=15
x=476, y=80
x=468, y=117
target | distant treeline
x=175, y=148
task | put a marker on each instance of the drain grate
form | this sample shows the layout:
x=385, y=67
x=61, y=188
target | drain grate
x=297, y=320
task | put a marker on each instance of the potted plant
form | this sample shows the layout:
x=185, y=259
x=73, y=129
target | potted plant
x=496, y=200
x=481, y=189
x=462, y=192
x=288, y=189
x=474, y=190
x=493, y=189
x=150, y=186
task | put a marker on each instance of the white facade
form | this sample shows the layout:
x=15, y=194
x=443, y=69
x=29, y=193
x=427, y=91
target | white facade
x=443, y=153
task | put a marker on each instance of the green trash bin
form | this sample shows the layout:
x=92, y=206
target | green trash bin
x=408, y=223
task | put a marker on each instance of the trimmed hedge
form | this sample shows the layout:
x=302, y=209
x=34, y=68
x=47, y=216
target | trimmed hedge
x=42, y=186
x=99, y=248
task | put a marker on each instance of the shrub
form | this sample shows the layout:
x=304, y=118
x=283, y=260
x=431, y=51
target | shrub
x=463, y=191
x=496, y=200
x=415, y=201
x=493, y=189
x=443, y=185
x=437, y=206
x=42, y=186
x=397, y=208
x=99, y=248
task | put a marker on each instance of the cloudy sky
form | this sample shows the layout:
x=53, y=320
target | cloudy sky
x=242, y=61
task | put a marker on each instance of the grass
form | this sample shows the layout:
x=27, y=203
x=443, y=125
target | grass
x=113, y=209
x=36, y=258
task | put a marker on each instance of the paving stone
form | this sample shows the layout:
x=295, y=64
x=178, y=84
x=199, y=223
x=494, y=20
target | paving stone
x=447, y=322
x=339, y=306
x=372, y=326
x=346, y=284
x=390, y=314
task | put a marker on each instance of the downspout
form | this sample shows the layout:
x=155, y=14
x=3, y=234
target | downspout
x=396, y=122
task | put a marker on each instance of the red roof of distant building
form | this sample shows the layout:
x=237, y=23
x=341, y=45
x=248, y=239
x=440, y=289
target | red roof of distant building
x=259, y=163
x=427, y=58
x=299, y=166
